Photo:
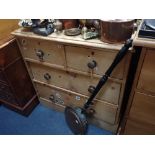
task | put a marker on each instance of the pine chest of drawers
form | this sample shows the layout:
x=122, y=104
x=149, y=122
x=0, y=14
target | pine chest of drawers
x=65, y=71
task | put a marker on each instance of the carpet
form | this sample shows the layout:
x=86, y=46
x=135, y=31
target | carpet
x=42, y=121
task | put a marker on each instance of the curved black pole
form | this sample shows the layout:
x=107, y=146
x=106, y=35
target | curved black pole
x=104, y=78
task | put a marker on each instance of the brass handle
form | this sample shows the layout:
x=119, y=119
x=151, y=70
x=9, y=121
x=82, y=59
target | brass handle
x=40, y=54
x=91, y=89
x=47, y=76
x=92, y=64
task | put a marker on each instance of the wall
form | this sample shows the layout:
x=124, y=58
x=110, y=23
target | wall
x=7, y=26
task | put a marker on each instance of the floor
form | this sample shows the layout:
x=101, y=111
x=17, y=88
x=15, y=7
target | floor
x=42, y=121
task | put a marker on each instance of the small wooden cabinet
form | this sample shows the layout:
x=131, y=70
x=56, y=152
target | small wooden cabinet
x=62, y=70
x=16, y=89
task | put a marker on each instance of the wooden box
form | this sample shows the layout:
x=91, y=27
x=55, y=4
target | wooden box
x=16, y=89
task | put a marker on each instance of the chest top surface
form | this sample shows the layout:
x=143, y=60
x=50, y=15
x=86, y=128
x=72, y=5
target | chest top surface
x=75, y=40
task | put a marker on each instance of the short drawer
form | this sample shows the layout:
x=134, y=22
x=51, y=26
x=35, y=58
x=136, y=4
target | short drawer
x=103, y=111
x=9, y=98
x=85, y=59
x=143, y=108
x=78, y=83
x=44, y=51
x=147, y=75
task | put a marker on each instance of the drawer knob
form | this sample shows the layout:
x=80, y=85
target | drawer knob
x=24, y=42
x=91, y=89
x=47, y=76
x=90, y=112
x=56, y=99
x=52, y=98
x=92, y=64
x=40, y=54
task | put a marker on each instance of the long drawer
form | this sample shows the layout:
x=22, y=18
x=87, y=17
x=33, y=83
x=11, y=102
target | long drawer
x=103, y=110
x=44, y=51
x=84, y=59
x=75, y=82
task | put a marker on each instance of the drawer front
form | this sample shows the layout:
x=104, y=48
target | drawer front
x=147, y=75
x=44, y=51
x=138, y=128
x=77, y=83
x=5, y=88
x=103, y=110
x=85, y=59
x=143, y=108
x=5, y=97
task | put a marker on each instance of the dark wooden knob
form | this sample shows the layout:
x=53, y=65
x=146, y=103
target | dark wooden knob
x=92, y=64
x=52, y=98
x=91, y=89
x=40, y=54
x=90, y=112
x=47, y=76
